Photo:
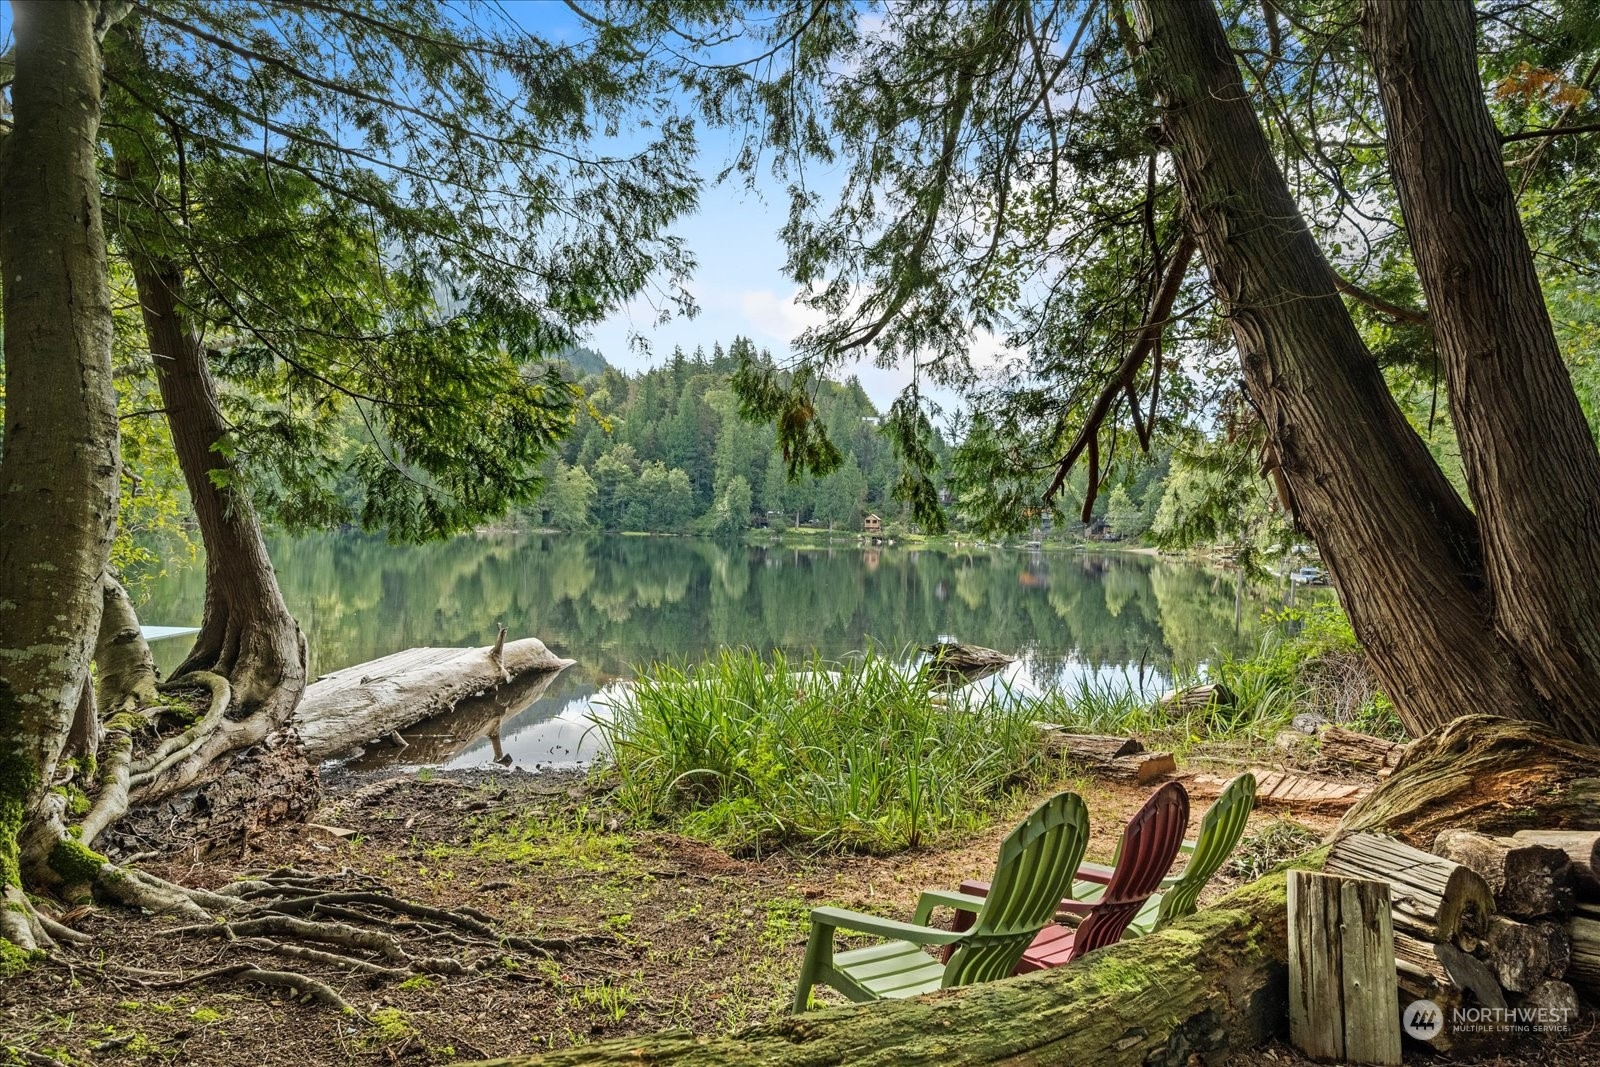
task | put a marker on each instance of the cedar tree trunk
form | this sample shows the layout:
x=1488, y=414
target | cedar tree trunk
x=1400, y=542
x=1530, y=461
x=246, y=634
x=58, y=475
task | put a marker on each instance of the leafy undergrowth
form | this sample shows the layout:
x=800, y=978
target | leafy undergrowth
x=752, y=753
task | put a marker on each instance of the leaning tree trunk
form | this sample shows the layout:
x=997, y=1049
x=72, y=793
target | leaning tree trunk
x=1358, y=474
x=58, y=474
x=1530, y=462
x=246, y=633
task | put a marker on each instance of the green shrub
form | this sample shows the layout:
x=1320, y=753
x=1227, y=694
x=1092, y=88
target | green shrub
x=746, y=752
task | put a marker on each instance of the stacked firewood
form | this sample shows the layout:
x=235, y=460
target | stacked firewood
x=1488, y=922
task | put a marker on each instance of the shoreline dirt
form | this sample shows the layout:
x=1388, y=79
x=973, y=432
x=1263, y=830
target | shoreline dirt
x=671, y=933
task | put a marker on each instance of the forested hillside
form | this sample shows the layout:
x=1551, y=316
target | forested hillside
x=666, y=450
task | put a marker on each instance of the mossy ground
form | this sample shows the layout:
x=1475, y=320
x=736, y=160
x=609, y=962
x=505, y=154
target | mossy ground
x=689, y=936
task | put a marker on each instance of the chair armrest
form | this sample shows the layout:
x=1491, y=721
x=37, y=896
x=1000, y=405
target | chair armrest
x=1188, y=846
x=943, y=898
x=1094, y=872
x=840, y=918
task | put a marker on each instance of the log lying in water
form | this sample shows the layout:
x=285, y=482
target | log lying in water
x=1217, y=980
x=342, y=709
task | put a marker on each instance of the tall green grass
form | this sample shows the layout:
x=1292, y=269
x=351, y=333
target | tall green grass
x=857, y=755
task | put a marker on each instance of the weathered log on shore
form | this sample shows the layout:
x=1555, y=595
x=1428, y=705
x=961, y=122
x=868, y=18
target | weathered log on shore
x=1339, y=745
x=1528, y=879
x=1432, y=898
x=1583, y=850
x=1195, y=698
x=1215, y=981
x=342, y=709
x=1485, y=773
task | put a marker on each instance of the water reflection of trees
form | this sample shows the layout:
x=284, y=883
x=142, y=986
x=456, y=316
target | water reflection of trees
x=618, y=601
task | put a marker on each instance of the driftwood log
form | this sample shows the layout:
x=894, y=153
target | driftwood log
x=342, y=709
x=1216, y=980
x=1583, y=850
x=1528, y=879
x=1485, y=773
x=1122, y=759
x=1432, y=898
x=1360, y=750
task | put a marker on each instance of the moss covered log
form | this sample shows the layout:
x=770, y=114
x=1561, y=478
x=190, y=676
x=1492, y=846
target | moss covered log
x=1484, y=773
x=1215, y=981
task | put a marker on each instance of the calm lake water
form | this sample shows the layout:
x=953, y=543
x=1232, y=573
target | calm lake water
x=617, y=603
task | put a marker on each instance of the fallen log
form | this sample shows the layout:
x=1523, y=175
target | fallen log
x=1121, y=759
x=1360, y=750
x=1485, y=773
x=1212, y=982
x=1527, y=879
x=1583, y=850
x=1523, y=955
x=1432, y=898
x=1179, y=702
x=346, y=707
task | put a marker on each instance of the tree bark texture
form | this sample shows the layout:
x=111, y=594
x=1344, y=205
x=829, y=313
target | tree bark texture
x=1217, y=980
x=58, y=474
x=1530, y=462
x=246, y=632
x=1358, y=474
x=1493, y=775
x=125, y=671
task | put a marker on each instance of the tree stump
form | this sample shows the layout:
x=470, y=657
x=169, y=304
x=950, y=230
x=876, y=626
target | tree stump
x=1431, y=898
x=1485, y=773
x=1583, y=850
x=1343, y=997
x=1528, y=880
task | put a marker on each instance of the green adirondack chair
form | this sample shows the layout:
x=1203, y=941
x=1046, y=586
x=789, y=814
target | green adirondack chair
x=1220, y=831
x=1036, y=865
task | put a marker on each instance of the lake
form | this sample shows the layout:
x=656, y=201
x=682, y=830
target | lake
x=615, y=603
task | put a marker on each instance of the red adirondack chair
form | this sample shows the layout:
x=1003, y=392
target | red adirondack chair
x=1149, y=845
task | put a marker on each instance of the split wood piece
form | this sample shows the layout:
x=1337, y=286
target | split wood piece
x=1555, y=1000
x=1528, y=879
x=356, y=704
x=1361, y=750
x=1432, y=898
x=1449, y=978
x=1194, y=698
x=1584, y=969
x=1287, y=790
x=1582, y=848
x=1526, y=954
x=1343, y=998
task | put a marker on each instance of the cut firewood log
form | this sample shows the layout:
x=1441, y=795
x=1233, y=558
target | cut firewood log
x=1526, y=954
x=1446, y=976
x=1361, y=750
x=1432, y=898
x=1528, y=879
x=1556, y=1000
x=1343, y=999
x=1582, y=848
x=1194, y=698
x=1584, y=969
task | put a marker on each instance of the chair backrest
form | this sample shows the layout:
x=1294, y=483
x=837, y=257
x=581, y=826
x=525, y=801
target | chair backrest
x=1037, y=862
x=1149, y=845
x=1220, y=831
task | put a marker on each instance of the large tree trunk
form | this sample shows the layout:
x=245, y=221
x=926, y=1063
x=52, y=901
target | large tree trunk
x=58, y=474
x=1358, y=474
x=1530, y=461
x=246, y=633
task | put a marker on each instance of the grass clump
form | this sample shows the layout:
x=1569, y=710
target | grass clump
x=750, y=752
x=1262, y=850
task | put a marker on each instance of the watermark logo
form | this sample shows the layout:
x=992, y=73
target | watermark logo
x=1425, y=1020
x=1422, y=1019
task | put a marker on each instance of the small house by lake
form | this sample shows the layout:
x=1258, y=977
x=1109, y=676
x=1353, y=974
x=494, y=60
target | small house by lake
x=872, y=526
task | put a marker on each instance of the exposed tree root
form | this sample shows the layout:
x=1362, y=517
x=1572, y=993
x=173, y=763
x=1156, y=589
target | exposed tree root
x=318, y=991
